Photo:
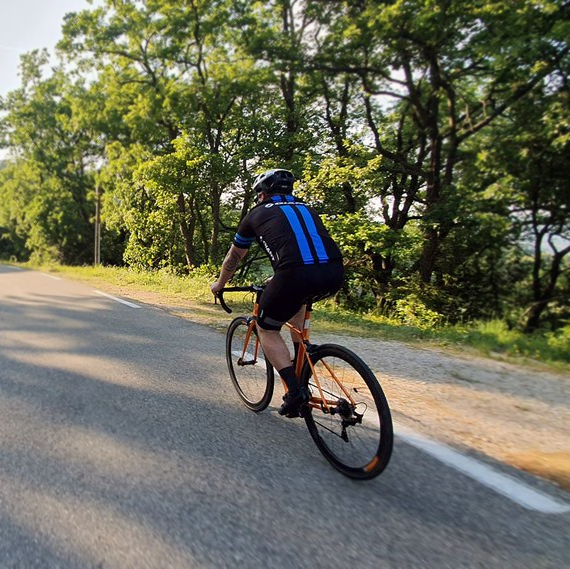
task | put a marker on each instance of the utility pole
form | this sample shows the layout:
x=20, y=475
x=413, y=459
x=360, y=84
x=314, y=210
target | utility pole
x=97, y=255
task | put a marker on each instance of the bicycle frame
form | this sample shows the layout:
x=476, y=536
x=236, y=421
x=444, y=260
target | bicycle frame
x=304, y=355
x=327, y=368
x=321, y=402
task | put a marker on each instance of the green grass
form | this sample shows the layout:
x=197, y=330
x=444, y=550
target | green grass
x=488, y=338
x=190, y=297
x=494, y=337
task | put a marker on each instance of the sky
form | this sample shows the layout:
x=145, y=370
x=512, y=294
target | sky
x=26, y=25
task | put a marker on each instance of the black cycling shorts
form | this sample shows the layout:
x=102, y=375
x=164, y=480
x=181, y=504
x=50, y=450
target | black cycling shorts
x=290, y=288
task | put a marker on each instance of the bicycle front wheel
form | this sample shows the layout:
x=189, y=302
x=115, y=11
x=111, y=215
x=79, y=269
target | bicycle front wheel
x=354, y=432
x=251, y=374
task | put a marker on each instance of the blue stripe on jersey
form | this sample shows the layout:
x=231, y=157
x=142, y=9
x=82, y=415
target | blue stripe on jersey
x=243, y=242
x=314, y=234
x=302, y=242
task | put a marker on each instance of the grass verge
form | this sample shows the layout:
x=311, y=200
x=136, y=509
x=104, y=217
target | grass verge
x=190, y=297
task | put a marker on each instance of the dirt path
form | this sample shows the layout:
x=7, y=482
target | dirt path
x=514, y=414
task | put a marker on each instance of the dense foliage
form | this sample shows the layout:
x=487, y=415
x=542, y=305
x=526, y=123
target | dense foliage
x=433, y=135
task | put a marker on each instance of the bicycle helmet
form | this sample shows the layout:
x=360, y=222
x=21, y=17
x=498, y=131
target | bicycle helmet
x=274, y=182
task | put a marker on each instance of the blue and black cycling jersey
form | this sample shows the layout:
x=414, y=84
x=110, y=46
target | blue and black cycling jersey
x=291, y=233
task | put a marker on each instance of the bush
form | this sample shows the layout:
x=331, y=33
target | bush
x=413, y=312
x=559, y=341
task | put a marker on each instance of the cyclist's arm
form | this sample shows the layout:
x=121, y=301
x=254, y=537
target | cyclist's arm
x=229, y=266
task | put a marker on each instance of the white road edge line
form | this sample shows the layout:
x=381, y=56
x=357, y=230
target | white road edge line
x=506, y=485
x=51, y=276
x=502, y=483
x=126, y=302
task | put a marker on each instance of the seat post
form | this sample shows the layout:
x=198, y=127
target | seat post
x=307, y=321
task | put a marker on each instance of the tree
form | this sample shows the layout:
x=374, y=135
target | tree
x=174, y=72
x=530, y=159
x=434, y=75
x=46, y=190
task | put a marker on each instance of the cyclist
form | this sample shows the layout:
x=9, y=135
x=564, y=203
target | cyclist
x=306, y=263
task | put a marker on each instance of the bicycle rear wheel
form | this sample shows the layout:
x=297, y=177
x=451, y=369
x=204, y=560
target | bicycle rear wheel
x=356, y=435
x=251, y=374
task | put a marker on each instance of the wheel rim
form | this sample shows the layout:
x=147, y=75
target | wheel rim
x=250, y=379
x=351, y=438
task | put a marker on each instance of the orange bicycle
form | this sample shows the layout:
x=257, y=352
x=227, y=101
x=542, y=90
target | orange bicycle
x=348, y=415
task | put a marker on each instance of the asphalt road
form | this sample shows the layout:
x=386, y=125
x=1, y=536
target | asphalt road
x=123, y=445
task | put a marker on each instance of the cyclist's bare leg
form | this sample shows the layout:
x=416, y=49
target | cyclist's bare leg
x=278, y=354
x=298, y=321
x=274, y=345
x=275, y=348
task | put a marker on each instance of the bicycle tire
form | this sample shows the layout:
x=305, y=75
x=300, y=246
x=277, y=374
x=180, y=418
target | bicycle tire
x=365, y=451
x=253, y=381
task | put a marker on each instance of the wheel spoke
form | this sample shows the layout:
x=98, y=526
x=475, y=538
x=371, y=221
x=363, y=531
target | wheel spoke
x=251, y=375
x=355, y=432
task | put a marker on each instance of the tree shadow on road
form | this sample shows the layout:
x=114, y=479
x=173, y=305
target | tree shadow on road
x=127, y=420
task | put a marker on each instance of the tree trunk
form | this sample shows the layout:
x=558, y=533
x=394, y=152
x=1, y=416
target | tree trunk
x=542, y=298
x=533, y=315
x=383, y=266
x=214, y=244
x=187, y=230
x=429, y=255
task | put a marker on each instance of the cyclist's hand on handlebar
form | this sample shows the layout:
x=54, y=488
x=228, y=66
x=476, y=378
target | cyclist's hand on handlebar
x=218, y=291
x=216, y=288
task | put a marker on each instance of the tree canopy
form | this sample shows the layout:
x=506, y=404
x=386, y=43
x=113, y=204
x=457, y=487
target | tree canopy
x=433, y=136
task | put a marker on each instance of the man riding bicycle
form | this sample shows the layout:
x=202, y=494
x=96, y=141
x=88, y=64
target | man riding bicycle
x=306, y=261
